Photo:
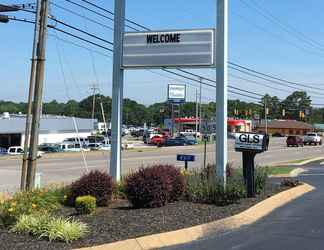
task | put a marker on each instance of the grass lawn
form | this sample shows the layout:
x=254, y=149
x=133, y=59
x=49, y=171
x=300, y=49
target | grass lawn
x=280, y=170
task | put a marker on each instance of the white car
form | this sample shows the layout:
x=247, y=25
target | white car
x=312, y=138
x=17, y=150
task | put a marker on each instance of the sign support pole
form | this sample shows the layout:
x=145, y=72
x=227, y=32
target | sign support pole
x=221, y=89
x=117, y=91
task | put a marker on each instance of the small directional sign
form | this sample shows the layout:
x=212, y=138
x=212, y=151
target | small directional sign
x=185, y=158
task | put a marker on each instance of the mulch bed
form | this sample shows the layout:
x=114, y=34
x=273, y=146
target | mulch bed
x=120, y=222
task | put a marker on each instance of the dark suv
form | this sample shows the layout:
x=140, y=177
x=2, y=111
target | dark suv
x=295, y=140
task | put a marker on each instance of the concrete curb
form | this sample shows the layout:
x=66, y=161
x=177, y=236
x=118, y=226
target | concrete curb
x=294, y=173
x=299, y=163
x=190, y=234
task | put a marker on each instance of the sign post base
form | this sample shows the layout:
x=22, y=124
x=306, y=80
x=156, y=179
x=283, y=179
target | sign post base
x=248, y=172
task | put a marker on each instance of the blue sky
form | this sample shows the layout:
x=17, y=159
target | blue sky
x=254, y=41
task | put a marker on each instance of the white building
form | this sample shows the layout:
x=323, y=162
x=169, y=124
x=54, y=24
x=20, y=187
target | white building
x=53, y=129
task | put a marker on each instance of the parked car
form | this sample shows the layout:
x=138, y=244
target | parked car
x=189, y=139
x=72, y=147
x=277, y=135
x=84, y=141
x=157, y=140
x=312, y=138
x=191, y=132
x=17, y=150
x=49, y=148
x=3, y=151
x=295, y=140
x=94, y=146
x=137, y=133
x=175, y=142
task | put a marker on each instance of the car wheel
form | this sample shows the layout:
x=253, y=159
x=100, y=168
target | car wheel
x=287, y=145
x=320, y=143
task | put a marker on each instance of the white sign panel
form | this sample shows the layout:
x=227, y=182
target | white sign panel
x=249, y=141
x=177, y=92
x=177, y=48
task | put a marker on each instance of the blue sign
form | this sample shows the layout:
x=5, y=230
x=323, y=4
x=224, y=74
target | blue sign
x=185, y=158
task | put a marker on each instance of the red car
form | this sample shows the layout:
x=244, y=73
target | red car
x=295, y=140
x=157, y=140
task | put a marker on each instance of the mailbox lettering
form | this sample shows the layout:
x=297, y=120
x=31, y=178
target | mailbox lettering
x=249, y=138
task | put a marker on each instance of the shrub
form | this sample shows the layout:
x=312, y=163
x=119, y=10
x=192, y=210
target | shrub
x=208, y=171
x=85, y=204
x=119, y=190
x=177, y=181
x=261, y=176
x=27, y=202
x=65, y=230
x=289, y=183
x=148, y=187
x=97, y=184
x=33, y=224
x=209, y=191
x=52, y=228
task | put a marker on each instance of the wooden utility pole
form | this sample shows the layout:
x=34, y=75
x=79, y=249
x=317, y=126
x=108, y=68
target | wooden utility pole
x=38, y=94
x=30, y=100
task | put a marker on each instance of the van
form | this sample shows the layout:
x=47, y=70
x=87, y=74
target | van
x=72, y=147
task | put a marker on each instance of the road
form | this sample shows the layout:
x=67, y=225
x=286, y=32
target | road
x=297, y=225
x=67, y=167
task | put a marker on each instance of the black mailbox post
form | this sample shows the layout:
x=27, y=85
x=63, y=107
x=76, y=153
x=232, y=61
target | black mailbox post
x=250, y=144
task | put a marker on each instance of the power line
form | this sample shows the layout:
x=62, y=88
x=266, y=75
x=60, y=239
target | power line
x=274, y=77
x=84, y=17
x=287, y=28
x=95, y=12
x=187, y=72
x=80, y=30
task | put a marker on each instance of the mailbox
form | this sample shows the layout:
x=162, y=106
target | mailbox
x=250, y=144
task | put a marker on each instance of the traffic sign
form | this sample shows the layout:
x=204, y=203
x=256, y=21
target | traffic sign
x=172, y=48
x=181, y=157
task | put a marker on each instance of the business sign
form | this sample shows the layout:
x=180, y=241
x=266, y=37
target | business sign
x=185, y=158
x=177, y=92
x=174, y=48
x=249, y=141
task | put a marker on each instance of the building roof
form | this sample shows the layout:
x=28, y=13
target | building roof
x=48, y=125
x=286, y=124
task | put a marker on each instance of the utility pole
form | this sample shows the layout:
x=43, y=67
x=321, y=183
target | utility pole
x=117, y=91
x=266, y=115
x=200, y=92
x=104, y=118
x=38, y=93
x=221, y=89
x=94, y=89
x=173, y=119
x=197, y=110
x=30, y=99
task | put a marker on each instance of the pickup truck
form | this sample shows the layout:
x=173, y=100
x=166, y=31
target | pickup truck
x=312, y=138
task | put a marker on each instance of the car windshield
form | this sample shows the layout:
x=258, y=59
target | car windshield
x=311, y=134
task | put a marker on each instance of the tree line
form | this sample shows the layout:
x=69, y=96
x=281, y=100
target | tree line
x=296, y=106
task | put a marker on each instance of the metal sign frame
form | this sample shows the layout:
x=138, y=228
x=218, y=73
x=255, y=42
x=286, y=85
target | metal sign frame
x=188, y=65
